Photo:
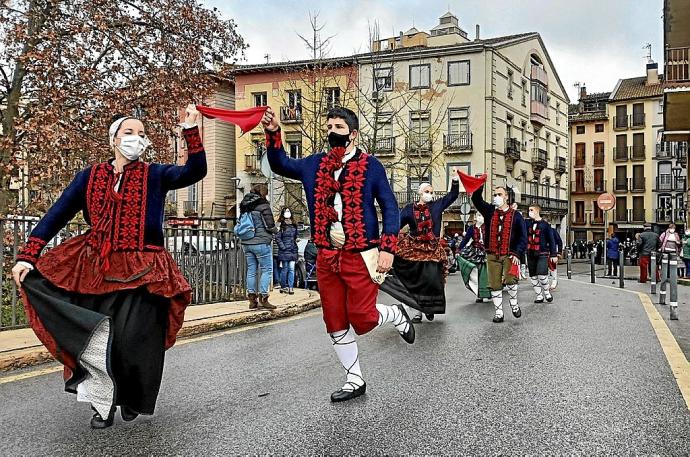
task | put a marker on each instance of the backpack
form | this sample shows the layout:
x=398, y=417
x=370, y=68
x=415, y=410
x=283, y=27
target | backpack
x=245, y=229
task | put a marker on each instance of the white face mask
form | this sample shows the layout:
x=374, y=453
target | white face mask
x=671, y=230
x=480, y=220
x=532, y=214
x=687, y=232
x=498, y=201
x=287, y=215
x=133, y=146
x=427, y=197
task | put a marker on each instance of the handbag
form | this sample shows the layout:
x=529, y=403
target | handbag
x=371, y=260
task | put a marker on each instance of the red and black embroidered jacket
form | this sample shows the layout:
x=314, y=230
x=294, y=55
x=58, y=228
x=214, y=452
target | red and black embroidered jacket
x=504, y=230
x=540, y=238
x=361, y=184
x=130, y=219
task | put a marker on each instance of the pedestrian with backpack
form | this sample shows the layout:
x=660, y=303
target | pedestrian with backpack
x=286, y=238
x=255, y=229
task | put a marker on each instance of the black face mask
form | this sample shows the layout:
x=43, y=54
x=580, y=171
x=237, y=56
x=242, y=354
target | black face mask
x=338, y=140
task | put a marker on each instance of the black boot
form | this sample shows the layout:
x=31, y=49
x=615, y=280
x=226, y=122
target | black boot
x=429, y=317
x=97, y=422
x=345, y=395
x=128, y=414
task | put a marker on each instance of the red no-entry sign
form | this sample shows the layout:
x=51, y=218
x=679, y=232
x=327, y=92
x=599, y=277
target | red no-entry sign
x=606, y=202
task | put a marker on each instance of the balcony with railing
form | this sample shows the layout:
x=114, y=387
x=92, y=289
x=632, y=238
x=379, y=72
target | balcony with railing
x=580, y=187
x=621, y=154
x=620, y=185
x=599, y=159
x=579, y=161
x=513, y=148
x=676, y=68
x=637, y=185
x=538, y=74
x=668, y=150
x=561, y=165
x=578, y=219
x=419, y=143
x=546, y=203
x=667, y=183
x=457, y=142
x=540, y=159
x=637, y=120
x=637, y=215
x=667, y=216
x=620, y=122
x=190, y=208
x=291, y=114
x=596, y=220
x=638, y=152
x=251, y=163
x=385, y=147
x=620, y=215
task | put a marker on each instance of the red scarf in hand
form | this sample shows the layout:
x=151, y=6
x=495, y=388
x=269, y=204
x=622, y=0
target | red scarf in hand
x=470, y=183
x=245, y=119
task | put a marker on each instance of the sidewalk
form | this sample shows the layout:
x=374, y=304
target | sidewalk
x=20, y=348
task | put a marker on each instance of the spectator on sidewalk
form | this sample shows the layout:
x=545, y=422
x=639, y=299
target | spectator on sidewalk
x=276, y=264
x=286, y=238
x=257, y=249
x=670, y=242
x=649, y=242
x=612, y=254
x=685, y=251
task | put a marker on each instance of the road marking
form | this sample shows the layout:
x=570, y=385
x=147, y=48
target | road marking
x=674, y=355
x=208, y=336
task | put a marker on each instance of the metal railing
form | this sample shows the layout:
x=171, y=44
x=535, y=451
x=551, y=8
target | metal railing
x=190, y=207
x=666, y=182
x=458, y=141
x=621, y=153
x=513, y=148
x=540, y=158
x=671, y=150
x=211, y=259
x=579, y=187
x=251, y=163
x=561, y=165
x=593, y=220
x=547, y=203
x=620, y=185
x=599, y=159
x=385, y=146
x=580, y=162
x=637, y=120
x=620, y=122
x=677, y=63
x=637, y=185
x=578, y=219
x=419, y=142
x=666, y=216
x=638, y=152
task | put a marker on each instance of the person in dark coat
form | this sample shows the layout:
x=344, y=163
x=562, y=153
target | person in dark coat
x=286, y=239
x=612, y=254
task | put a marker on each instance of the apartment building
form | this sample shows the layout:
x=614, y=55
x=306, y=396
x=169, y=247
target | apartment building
x=447, y=102
x=589, y=139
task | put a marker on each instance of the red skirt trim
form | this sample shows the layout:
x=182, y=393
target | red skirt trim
x=76, y=267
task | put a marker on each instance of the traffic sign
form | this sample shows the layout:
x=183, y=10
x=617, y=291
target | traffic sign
x=606, y=202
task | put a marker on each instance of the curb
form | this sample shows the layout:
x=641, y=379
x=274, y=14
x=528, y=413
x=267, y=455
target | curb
x=37, y=355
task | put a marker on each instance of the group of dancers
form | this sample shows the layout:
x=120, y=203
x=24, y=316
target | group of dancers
x=108, y=304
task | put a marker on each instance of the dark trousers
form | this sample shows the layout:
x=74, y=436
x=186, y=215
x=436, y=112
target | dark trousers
x=612, y=267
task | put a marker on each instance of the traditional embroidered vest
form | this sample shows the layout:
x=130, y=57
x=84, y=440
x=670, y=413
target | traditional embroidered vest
x=501, y=229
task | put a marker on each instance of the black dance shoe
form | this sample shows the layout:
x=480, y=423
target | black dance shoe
x=128, y=414
x=97, y=422
x=417, y=320
x=540, y=300
x=497, y=319
x=550, y=299
x=429, y=317
x=345, y=395
x=408, y=334
x=517, y=312
x=479, y=300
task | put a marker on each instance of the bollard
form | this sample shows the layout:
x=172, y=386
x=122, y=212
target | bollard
x=664, y=279
x=621, y=266
x=592, y=256
x=569, y=261
x=652, y=265
x=673, y=280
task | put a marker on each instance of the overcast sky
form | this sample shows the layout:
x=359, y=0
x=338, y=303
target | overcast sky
x=591, y=41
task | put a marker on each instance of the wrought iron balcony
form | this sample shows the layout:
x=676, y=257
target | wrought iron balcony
x=638, y=152
x=540, y=159
x=669, y=215
x=385, y=146
x=599, y=159
x=251, y=163
x=667, y=183
x=621, y=154
x=620, y=122
x=637, y=185
x=419, y=142
x=620, y=185
x=578, y=219
x=561, y=165
x=457, y=142
x=637, y=120
x=594, y=220
x=513, y=148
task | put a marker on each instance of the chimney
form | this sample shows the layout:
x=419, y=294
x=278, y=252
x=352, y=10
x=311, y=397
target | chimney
x=477, y=37
x=652, y=73
x=583, y=92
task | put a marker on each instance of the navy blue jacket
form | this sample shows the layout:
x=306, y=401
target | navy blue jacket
x=436, y=208
x=541, y=240
x=286, y=238
x=364, y=189
x=132, y=218
x=559, y=241
x=518, y=235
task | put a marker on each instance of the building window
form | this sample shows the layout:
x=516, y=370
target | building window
x=509, y=126
x=510, y=84
x=332, y=95
x=580, y=154
x=459, y=73
x=599, y=154
x=295, y=150
x=661, y=106
x=420, y=122
x=598, y=128
x=459, y=121
x=580, y=130
x=523, y=135
x=383, y=79
x=524, y=93
x=260, y=99
x=540, y=93
x=420, y=76
x=558, y=114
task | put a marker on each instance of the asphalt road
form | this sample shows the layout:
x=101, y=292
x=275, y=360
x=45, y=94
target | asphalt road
x=585, y=375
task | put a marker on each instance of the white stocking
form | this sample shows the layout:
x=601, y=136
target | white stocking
x=537, y=287
x=544, y=284
x=497, y=298
x=393, y=315
x=512, y=293
x=346, y=348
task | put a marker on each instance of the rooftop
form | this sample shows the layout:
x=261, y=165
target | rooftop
x=632, y=88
